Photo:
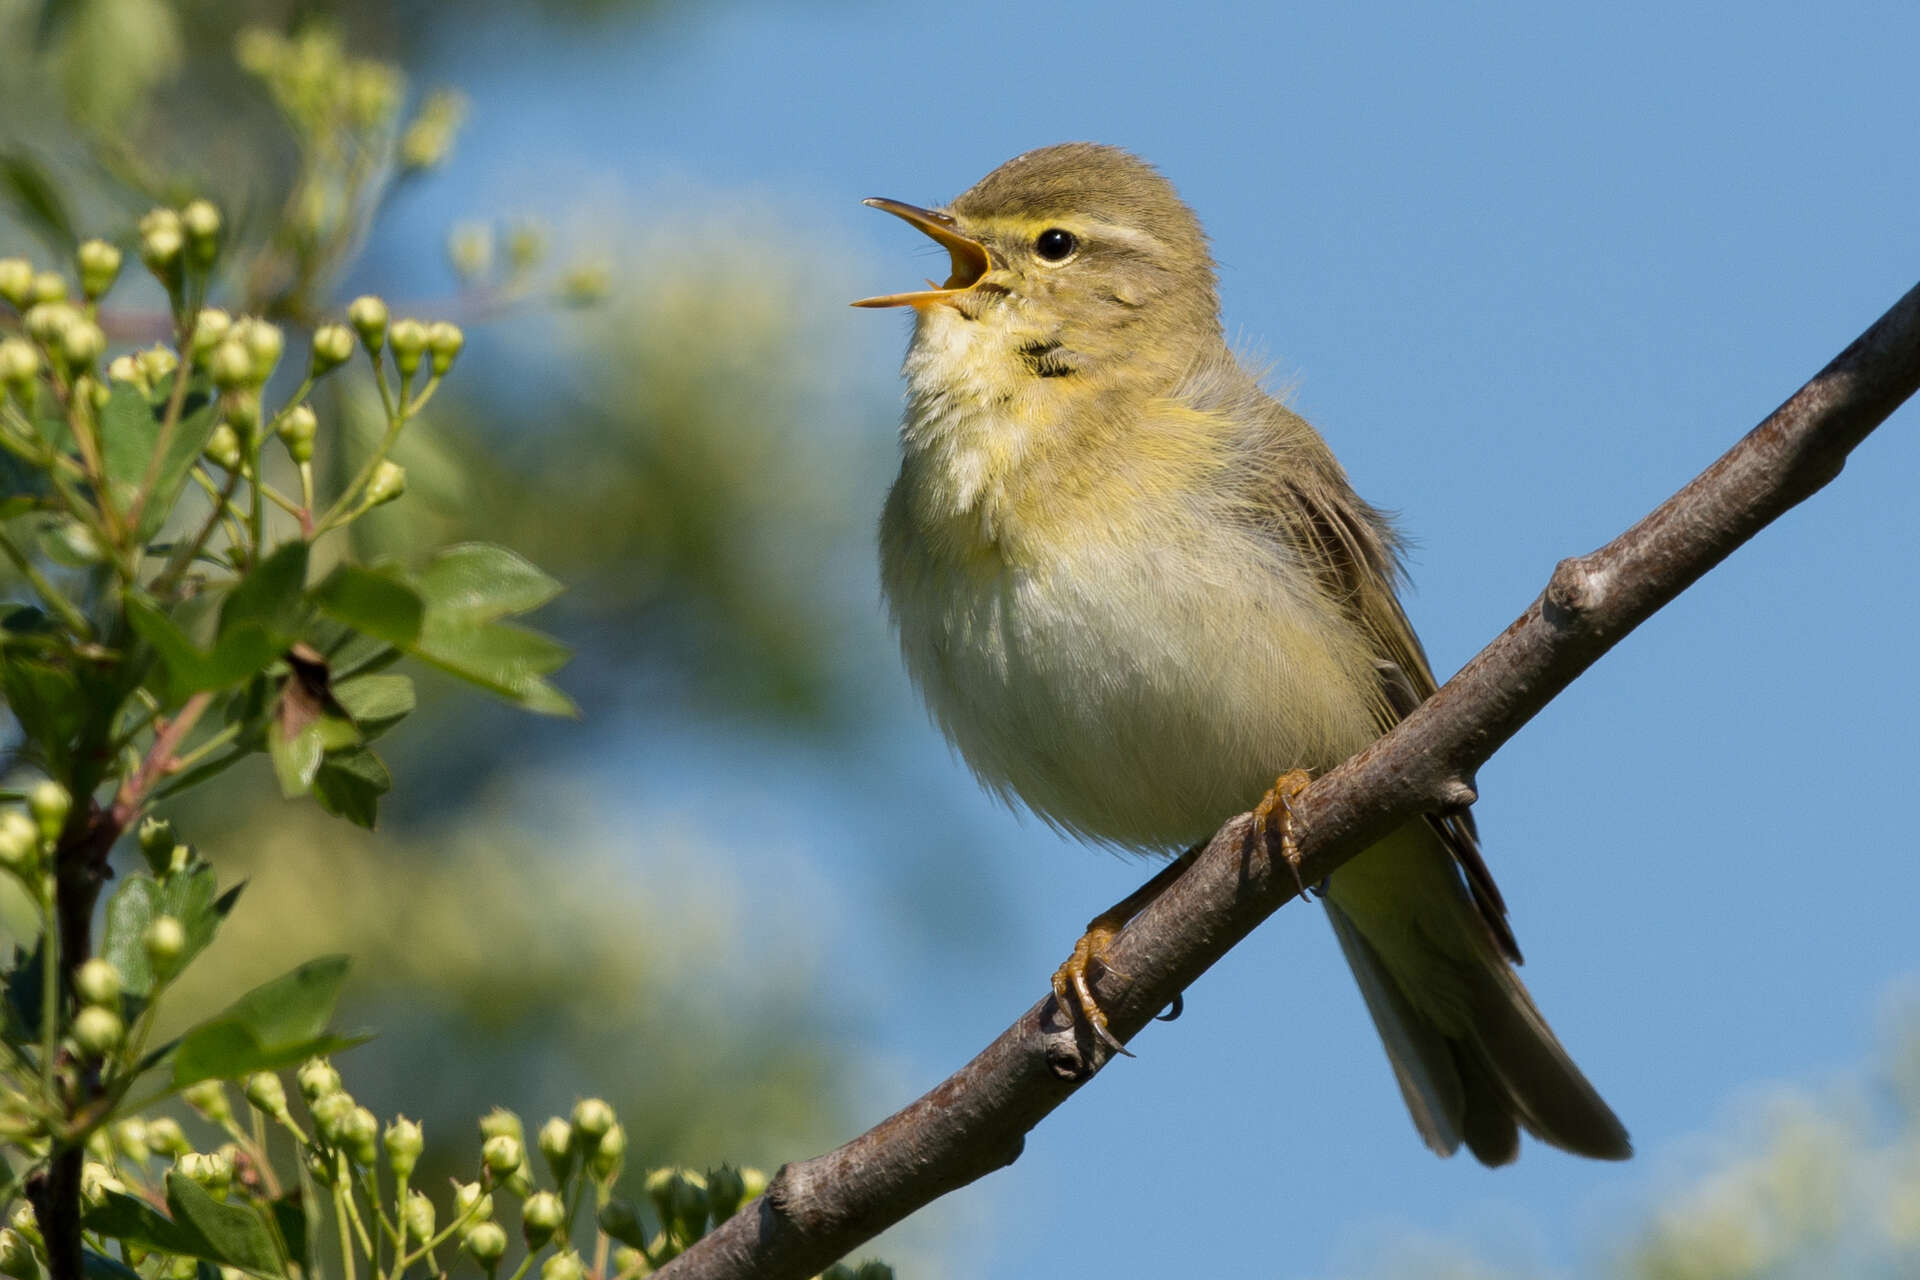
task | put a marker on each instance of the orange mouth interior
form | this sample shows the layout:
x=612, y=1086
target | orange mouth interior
x=970, y=259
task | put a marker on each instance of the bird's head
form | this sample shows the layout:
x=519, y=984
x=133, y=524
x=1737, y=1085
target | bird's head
x=1076, y=260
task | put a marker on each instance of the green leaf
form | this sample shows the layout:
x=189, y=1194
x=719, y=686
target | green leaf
x=189, y=440
x=377, y=602
x=240, y=653
x=296, y=757
x=38, y=201
x=189, y=896
x=234, y=1233
x=119, y=1216
x=290, y=1218
x=46, y=700
x=272, y=1026
x=270, y=595
x=98, y=1266
x=484, y=582
x=350, y=784
x=510, y=661
x=376, y=703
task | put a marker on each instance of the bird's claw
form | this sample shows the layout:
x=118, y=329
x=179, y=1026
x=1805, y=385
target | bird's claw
x=1287, y=788
x=1070, y=979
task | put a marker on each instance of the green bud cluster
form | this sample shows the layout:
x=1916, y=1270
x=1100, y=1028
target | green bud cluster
x=563, y=1266
x=98, y=982
x=166, y=1137
x=316, y=1079
x=680, y=1201
x=557, y=1146
x=97, y=1031
x=368, y=316
x=19, y=844
x=130, y=1139
x=298, y=426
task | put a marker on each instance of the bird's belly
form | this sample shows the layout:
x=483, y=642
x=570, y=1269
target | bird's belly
x=1123, y=698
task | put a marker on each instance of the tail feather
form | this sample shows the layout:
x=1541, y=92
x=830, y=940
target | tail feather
x=1474, y=1059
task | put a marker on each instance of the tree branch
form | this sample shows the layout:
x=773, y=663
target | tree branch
x=976, y=1121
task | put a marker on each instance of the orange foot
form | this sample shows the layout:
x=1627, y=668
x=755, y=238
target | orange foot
x=1286, y=789
x=1071, y=977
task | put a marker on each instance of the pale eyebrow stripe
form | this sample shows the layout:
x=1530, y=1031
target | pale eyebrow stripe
x=1131, y=237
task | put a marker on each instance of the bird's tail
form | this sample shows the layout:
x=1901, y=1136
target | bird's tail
x=1474, y=1059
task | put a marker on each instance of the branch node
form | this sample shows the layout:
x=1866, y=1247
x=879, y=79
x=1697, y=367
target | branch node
x=1572, y=593
x=1457, y=794
x=1064, y=1058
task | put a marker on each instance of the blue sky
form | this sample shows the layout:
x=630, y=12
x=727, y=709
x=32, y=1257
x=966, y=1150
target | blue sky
x=1529, y=268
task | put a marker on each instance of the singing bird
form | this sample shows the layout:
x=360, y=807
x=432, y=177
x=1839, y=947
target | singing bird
x=1134, y=589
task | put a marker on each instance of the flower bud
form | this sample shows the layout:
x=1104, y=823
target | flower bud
x=726, y=1191
x=156, y=843
x=444, y=340
x=556, y=1144
x=162, y=237
x=165, y=941
x=631, y=1262
x=98, y=981
x=620, y=1219
x=19, y=362
x=687, y=1206
x=165, y=1136
x=368, y=315
x=605, y=1159
x=17, y=1257
x=389, y=481
x=586, y=283
x=425, y=144
x=363, y=1137
x=81, y=344
x=127, y=369
x=209, y=1098
x=98, y=1031
x=540, y=1217
x=409, y=339
x=19, y=842
x=99, y=267
x=223, y=447
x=242, y=405
x=297, y=429
x=317, y=1079
x=210, y=326
x=526, y=246
x=49, y=286
x=405, y=1142
x=264, y=342
x=16, y=281
x=49, y=803
x=873, y=1269
x=471, y=1203
x=502, y=1154
x=487, y=1242
x=96, y=1180
x=332, y=347
x=419, y=1215
x=332, y=1113
x=202, y=224
x=373, y=93
x=592, y=1117
x=156, y=362
x=470, y=250
x=27, y=1224
x=46, y=322
x=230, y=365
x=212, y=1170
x=266, y=1094
x=563, y=1266
x=130, y=1139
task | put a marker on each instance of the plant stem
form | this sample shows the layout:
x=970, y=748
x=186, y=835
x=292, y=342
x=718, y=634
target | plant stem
x=54, y=600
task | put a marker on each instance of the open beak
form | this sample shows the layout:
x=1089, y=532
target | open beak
x=971, y=260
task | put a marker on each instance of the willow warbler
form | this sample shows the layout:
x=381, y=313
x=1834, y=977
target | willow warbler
x=1134, y=589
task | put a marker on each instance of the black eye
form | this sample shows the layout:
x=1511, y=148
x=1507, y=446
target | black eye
x=1055, y=244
